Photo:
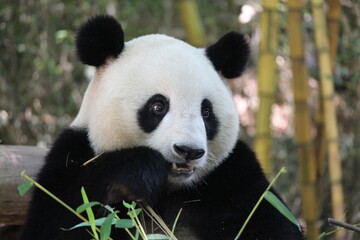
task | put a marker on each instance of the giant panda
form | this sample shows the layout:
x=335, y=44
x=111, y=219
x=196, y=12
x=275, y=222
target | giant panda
x=159, y=118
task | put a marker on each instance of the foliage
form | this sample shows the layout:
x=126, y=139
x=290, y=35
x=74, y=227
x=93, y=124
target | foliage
x=105, y=223
x=112, y=218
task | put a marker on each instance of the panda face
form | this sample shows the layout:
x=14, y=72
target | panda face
x=165, y=94
x=187, y=133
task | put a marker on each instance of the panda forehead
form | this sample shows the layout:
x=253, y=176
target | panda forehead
x=158, y=64
x=156, y=42
x=157, y=53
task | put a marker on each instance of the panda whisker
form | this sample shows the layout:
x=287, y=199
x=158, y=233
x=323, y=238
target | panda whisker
x=204, y=181
x=193, y=186
x=211, y=157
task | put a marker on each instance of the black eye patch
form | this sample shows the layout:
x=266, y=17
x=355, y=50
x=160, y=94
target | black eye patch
x=210, y=120
x=153, y=111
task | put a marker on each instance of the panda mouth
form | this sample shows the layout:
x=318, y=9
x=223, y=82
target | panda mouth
x=181, y=169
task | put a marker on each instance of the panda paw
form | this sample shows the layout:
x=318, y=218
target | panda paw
x=137, y=174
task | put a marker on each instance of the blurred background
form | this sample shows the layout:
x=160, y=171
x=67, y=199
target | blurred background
x=42, y=81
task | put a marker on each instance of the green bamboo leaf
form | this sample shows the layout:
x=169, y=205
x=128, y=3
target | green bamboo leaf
x=105, y=229
x=24, y=188
x=124, y=223
x=157, y=237
x=89, y=212
x=110, y=209
x=134, y=213
x=275, y=201
x=98, y=222
x=127, y=205
x=85, y=206
x=323, y=235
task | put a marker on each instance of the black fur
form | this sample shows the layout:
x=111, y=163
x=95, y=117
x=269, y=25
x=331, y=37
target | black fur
x=229, y=55
x=99, y=39
x=211, y=122
x=148, y=119
x=226, y=195
x=132, y=174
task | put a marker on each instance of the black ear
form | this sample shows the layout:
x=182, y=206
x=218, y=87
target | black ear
x=98, y=39
x=229, y=55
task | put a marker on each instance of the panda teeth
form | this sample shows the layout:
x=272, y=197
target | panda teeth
x=182, y=167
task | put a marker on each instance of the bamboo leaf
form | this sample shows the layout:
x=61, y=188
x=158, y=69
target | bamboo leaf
x=157, y=237
x=124, y=223
x=89, y=212
x=134, y=212
x=84, y=206
x=83, y=224
x=98, y=222
x=24, y=188
x=322, y=235
x=110, y=209
x=105, y=229
x=127, y=205
x=275, y=201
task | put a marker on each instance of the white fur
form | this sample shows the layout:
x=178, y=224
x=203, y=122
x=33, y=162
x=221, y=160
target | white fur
x=157, y=64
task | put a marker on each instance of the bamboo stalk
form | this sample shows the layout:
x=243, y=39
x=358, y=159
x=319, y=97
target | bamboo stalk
x=267, y=74
x=307, y=162
x=192, y=23
x=321, y=146
x=327, y=93
x=333, y=18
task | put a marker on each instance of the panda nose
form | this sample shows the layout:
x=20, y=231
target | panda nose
x=189, y=153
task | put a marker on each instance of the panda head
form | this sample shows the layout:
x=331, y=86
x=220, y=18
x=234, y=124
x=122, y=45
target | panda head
x=160, y=92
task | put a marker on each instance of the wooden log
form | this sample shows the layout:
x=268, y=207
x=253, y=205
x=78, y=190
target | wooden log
x=13, y=160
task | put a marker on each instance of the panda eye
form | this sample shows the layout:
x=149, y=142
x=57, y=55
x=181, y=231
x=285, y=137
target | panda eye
x=152, y=112
x=205, y=112
x=158, y=108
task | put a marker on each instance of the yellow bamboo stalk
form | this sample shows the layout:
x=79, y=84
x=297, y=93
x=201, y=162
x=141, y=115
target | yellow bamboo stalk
x=267, y=74
x=321, y=145
x=307, y=162
x=190, y=17
x=327, y=93
x=333, y=18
